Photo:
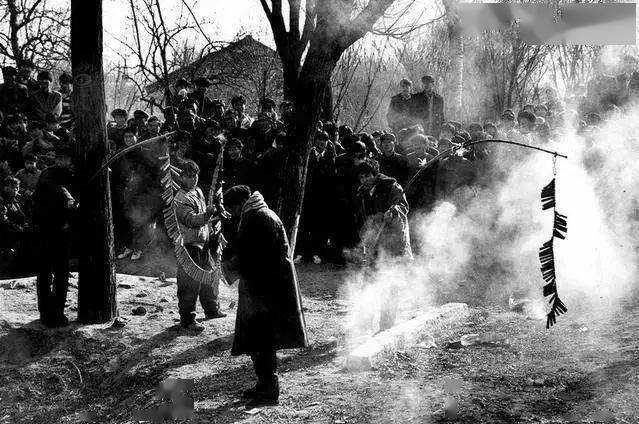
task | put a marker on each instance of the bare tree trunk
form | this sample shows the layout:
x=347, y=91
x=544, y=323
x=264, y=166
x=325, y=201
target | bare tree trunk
x=312, y=85
x=97, y=294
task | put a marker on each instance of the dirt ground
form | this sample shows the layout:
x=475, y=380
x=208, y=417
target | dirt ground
x=583, y=370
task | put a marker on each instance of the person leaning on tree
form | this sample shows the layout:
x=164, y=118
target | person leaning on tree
x=54, y=210
x=269, y=314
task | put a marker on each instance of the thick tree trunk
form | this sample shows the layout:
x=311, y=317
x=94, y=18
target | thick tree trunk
x=309, y=98
x=97, y=295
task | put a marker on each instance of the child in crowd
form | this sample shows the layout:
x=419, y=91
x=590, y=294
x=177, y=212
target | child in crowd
x=193, y=218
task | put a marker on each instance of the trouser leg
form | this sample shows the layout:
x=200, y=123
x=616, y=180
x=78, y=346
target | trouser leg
x=60, y=281
x=265, y=366
x=43, y=288
x=187, y=290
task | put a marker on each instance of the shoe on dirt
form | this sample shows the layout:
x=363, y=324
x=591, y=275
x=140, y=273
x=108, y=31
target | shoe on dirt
x=193, y=327
x=137, y=254
x=215, y=315
x=317, y=260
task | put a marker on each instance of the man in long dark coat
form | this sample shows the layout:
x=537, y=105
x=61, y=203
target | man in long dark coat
x=269, y=314
x=54, y=208
x=428, y=107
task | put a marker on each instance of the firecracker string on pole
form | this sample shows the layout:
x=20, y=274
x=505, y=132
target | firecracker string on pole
x=560, y=225
x=547, y=253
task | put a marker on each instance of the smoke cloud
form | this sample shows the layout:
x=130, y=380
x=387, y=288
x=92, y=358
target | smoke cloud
x=480, y=246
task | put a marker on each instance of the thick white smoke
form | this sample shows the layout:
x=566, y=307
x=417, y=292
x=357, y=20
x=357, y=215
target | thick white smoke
x=481, y=245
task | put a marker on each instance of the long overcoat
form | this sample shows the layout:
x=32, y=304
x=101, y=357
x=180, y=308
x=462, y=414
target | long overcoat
x=269, y=314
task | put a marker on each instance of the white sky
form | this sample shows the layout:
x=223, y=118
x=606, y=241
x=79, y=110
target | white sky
x=221, y=19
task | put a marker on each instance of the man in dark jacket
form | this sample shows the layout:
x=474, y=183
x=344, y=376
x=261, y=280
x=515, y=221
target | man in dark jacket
x=428, y=107
x=53, y=209
x=383, y=213
x=269, y=314
x=399, y=113
x=392, y=163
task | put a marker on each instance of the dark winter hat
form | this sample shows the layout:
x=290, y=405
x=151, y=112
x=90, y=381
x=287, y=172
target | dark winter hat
x=524, y=114
x=65, y=78
x=119, y=112
x=182, y=83
x=367, y=168
x=140, y=114
x=357, y=148
x=154, y=119
x=45, y=75
x=387, y=137
x=238, y=99
x=131, y=129
x=235, y=142
x=428, y=78
x=267, y=102
x=508, y=114
x=237, y=195
x=202, y=82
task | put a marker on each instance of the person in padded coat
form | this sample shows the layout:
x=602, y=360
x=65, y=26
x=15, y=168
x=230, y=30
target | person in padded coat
x=269, y=314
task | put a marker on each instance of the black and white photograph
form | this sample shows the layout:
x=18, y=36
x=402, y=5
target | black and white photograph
x=319, y=211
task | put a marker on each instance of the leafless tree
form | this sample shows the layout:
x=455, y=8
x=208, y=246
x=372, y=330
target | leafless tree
x=310, y=43
x=35, y=30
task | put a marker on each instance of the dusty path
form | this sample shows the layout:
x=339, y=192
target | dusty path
x=582, y=371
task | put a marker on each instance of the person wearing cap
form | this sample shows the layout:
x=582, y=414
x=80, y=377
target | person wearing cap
x=319, y=194
x=269, y=311
x=508, y=125
x=237, y=169
x=526, y=125
x=206, y=109
x=40, y=144
x=205, y=152
x=399, y=111
x=45, y=100
x=446, y=133
x=13, y=95
x=392, y=163
x=26, y=69
x=140, y=118
x=53, y=217
x=455, y=174
x=382, y=206
x=153, y=125
x=14, y=224
x=218, y=110
x=115, y=132
x=265, y=122
x=428, y=107
x=241, y=119
x=66, y=118
x=345, y=234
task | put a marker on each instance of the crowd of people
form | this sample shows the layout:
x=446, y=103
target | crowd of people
x=36, y=127
x=362, y=189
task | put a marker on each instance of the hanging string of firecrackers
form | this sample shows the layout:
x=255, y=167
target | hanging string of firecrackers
x=191, y=269
x=547, y=253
